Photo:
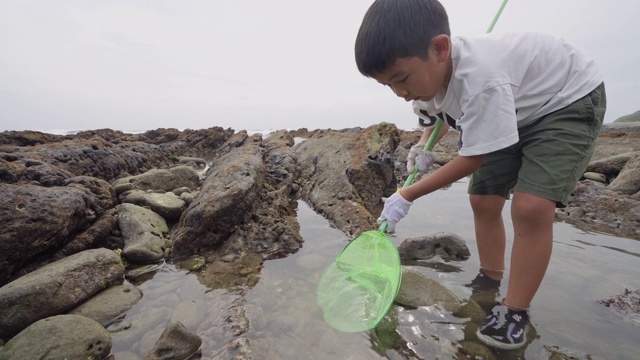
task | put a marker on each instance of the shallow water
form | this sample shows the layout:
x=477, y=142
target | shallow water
x=286, y=323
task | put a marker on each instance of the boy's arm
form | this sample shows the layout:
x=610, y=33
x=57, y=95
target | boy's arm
x=427, y=133
x=454, y=170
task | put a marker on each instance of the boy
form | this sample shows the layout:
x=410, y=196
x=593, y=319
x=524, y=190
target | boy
x=528, y=108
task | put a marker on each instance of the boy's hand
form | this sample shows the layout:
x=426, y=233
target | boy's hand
x=395, y=208
x=417, y=156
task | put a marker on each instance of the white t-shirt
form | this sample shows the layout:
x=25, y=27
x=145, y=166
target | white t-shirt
x=502, y=81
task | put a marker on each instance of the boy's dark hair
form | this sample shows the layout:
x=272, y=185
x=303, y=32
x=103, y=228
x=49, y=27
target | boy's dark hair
x=393, y=29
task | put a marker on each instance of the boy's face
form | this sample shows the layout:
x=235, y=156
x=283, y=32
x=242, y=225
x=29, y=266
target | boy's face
x=413, y=78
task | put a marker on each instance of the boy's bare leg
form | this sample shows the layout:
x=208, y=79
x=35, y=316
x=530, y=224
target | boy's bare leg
x=533, y=240
x=490, y=234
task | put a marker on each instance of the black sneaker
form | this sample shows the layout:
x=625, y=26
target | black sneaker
x=504, y=329
x=484, y=291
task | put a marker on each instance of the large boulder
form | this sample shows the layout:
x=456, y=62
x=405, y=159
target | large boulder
x=55, y=288
x=227, y=197
x=345, y=173
x=37, y=220
x=243, y=213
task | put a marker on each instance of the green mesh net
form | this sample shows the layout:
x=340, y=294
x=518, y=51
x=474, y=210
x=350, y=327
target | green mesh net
x=359, y=287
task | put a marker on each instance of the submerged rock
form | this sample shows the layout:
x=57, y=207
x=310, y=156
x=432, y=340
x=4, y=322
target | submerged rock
x=176, y=342
x=108, y=304
x=418, y=289
x=626, y=304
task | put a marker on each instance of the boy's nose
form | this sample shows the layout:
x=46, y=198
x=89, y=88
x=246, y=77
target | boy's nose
x=400, y=91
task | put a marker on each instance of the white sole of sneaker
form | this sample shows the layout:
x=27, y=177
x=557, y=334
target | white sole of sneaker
x=497, y=344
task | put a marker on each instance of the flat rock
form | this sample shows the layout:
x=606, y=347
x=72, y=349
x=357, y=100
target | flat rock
x=109, y=303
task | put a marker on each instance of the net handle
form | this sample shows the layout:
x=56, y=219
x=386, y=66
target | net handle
x=411, y=177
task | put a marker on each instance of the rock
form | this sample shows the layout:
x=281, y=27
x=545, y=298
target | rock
x=23, y=168
x=186, y=159
x=189, y=313
x=126, y=355
x=626, y=304
x=445, y=244
x=108, y=304
x=345, y=174
x=28, y=138
x=476, y=350
x=418, y=289
x=246, y=195
x=594, y=176
x=175, y=343
x=187, y=198
x=611, y=165
x=167, y=205
x=143, y=232
x=628, y=180
x=161, y=179
x=37, y=220
x=181, y=190
x=227, y=197
x=88, y=154
x=96, y=236
x=133, y=328
x=55, y=288
x=193, y=263
x=60, y=337
x=594, y=207
x=624, y=126
x=104, y=192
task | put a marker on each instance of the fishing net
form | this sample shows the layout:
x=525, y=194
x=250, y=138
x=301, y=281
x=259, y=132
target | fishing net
x=359, y=287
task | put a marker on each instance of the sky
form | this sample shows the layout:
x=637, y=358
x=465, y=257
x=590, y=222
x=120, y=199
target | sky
x=134, y=65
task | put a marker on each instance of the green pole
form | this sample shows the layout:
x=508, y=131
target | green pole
x=495, y=18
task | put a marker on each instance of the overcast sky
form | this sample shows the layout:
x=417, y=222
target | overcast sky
x=251, y=64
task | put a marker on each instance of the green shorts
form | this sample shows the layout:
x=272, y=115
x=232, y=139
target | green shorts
x=550, y=156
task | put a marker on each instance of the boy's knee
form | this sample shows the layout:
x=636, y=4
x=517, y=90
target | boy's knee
x=486, y=204
x=531, y=207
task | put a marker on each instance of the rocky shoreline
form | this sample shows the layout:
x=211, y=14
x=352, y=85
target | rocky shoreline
x=82, y=212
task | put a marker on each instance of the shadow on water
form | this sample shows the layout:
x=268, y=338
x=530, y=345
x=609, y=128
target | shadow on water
x=283, y=320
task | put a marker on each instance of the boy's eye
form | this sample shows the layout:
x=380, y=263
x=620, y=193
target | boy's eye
x=403, y=80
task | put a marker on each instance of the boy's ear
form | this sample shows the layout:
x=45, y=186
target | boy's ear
x=441, y=45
